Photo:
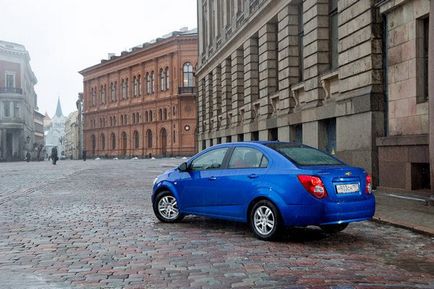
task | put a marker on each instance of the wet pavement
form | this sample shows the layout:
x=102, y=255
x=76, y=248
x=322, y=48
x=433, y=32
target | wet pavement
x=90, y=225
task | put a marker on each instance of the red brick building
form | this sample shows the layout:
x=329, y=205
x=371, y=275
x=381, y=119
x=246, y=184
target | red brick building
x=143, y=101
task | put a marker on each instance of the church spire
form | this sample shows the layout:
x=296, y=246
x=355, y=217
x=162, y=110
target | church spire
x=59, y=109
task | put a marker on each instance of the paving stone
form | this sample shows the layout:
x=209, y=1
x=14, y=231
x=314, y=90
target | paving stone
x=91, y=225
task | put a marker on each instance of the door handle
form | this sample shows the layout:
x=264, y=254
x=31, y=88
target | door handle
x=212, y=178
x=253, y=176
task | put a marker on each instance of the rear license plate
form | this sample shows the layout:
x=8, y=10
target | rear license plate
x=347, y=188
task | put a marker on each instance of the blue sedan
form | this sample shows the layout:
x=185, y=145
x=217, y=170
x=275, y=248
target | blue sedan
x=269, y=185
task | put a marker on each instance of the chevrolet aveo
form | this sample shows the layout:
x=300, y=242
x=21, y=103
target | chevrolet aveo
x=269, y=185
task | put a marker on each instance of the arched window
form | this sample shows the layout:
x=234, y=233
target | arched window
x=113, y=139
x=148, y=83
x=188, y=75
x=152, y=82
x=162, y=80
x=149, y=138
x=93, y=140
x=167, y=78
x=102, y=141
x=136, y=139
x=135, y=86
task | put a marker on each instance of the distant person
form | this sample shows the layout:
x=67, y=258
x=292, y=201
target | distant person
x=84, y=155
x=27, y=157
x=54, y=156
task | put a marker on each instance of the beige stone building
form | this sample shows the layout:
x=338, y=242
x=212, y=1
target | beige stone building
x=347, y=77
x=307, y=71
x=72, y=136
x=404, y=150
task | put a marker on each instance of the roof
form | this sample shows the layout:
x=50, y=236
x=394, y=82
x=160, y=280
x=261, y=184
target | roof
x=59, y=109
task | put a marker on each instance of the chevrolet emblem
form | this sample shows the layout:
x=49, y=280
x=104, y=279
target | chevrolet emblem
x=348, y=174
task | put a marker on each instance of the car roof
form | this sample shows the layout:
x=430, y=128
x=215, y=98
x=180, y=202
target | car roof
x=255, y=143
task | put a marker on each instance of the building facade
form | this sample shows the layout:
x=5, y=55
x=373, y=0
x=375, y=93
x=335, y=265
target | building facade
x=142, y=102
x=72, y=136
x=18, y=102
x=306, y=71
x=38, y=145
x=55, y=132
x=404, y=149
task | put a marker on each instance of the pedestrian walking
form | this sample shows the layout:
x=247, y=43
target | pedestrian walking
x=54, y=156
x=28, y=157
x=84, y=155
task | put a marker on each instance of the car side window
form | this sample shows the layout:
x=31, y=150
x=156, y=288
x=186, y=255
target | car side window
x=210, y=160
x=243, y=157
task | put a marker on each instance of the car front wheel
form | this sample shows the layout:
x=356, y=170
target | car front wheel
x=265, y=221
x=166, y=208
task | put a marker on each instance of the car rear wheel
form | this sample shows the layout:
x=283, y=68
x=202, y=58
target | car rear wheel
x=166, y=208
x=335, y=228
x=265, y=221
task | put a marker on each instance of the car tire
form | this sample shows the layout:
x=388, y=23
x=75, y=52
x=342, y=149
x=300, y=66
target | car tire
x=334, y=229
x=166, y=208
x=265, y=221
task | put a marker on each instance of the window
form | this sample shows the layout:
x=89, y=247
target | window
x=139, y=85
x=167, y=78
x=300, y=41
x=422, y=59
x=113, y=138
x=113, y=91
x=303, y=155
x=152, y=82
x=244, y=157
x=333, y=34
x=136, y=139
x=7, y=108
x=146, y=116
x=165, y=114
x=135, y=87
x=162, y=80
x=150, y=116
x=102, y=141
x=149, y=138
x=160, y=114
x=148, y=83
x=188, y=75
x=210, y=160
x=10, y=80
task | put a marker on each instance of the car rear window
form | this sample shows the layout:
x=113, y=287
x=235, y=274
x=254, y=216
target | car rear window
x=305, y=156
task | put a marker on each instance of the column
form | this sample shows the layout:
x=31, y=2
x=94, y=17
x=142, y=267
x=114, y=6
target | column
x=237, y=84
x=251, y=76
x=226, y=90
x=267, y=67
x=216, y=99
x=288, y=58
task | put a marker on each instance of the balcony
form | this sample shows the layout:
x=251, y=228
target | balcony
x=188, y=89
x=11, y=90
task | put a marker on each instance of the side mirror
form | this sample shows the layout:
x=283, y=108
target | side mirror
x=183, y=167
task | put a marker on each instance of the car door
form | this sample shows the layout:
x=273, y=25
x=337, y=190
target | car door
x=202, y=181
x=243, y=177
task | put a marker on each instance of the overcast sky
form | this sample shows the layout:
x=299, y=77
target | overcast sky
x=64, y=37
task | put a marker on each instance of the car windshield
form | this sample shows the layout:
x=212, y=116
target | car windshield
x=303, y=155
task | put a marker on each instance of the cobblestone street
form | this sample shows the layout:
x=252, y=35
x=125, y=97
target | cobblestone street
x=90, y=225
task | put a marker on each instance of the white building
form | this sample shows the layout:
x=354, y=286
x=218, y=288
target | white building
x=55, y=132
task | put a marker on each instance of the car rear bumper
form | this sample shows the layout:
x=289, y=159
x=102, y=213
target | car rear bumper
x=324, y=213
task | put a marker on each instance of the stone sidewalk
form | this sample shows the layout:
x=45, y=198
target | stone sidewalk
x=408, y=210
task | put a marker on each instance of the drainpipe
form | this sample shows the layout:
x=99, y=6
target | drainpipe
x=431, y=96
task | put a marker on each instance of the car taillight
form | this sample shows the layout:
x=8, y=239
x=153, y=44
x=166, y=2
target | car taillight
x=313, y=185
x=368, y=189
